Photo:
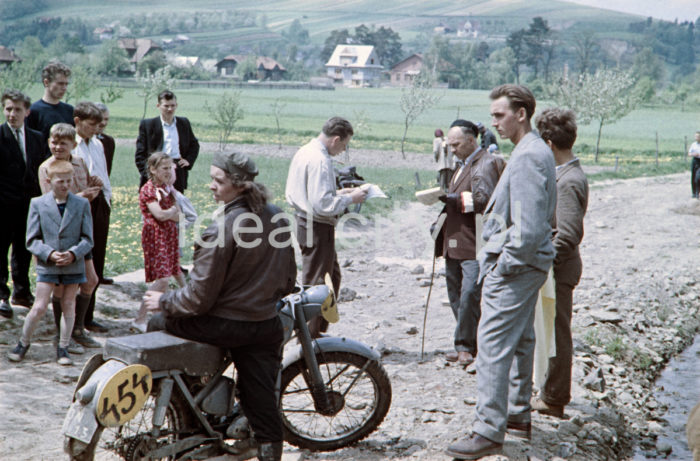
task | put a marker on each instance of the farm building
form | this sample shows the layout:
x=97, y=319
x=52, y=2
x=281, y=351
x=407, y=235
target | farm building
x=137, y=49
x=354, y=66
x=7, y=56
x=268, y=68
x=403, y=73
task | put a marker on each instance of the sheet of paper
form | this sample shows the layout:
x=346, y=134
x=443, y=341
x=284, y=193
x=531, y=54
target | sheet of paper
x=429, y=196
x=373, y=191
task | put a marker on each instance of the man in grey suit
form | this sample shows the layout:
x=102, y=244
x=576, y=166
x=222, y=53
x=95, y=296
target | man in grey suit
x=513, y=266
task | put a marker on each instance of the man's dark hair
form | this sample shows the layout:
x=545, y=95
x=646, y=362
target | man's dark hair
x=86, y=110
x=15, y=96
x=557, y=125
x=466, y=126
x=166, y=94
x=337, y=126
x=518, y=96
x=52, y=69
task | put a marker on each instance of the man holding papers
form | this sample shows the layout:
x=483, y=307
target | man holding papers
x=469, y=191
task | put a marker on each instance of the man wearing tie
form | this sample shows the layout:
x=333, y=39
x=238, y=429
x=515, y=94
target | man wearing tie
x=469, y=191
x=169, y=134
x=21, y=153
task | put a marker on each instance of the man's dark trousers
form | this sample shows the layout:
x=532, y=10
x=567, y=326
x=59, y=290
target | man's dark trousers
x=13, y=232
x=695, y=176
x=318, y=260
x=100, y=224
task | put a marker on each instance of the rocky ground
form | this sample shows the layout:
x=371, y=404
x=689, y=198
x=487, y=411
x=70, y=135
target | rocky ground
x=635, y=307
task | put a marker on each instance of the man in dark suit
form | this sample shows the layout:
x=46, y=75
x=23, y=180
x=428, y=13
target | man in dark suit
x=107, y=141
x=468, y=193
x=21, y=152
x=170, y=134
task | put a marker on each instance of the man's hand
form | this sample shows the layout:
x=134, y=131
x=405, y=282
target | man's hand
x=358, y=195
x=183, y=163
x=90, y=193
x=452, y=199
x=151, y=300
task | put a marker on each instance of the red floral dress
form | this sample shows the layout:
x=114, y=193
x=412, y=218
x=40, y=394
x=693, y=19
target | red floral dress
x=159, y=239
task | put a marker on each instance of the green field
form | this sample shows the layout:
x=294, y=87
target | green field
x=631, y=140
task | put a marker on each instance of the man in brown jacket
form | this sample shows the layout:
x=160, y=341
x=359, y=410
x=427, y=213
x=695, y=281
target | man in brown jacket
x=468, y=193
x=557, y=128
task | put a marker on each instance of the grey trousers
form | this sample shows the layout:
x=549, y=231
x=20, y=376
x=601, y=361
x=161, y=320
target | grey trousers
x=506, y=338
x=464, y=293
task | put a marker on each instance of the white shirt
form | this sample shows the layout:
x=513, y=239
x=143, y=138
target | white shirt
x=311, y=188
x=23, y=139
x=171, y=140
x=93, y=153
x=694, y=149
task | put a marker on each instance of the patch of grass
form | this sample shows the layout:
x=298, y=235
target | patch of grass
x=593, y=337
x=616, y=347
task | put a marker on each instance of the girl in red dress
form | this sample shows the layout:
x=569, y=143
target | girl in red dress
x=159, y=237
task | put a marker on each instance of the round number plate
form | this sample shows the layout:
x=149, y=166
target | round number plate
x=123, y=395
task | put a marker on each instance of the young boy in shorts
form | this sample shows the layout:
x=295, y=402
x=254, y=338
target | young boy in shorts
x=61, y=143
x=59, y=234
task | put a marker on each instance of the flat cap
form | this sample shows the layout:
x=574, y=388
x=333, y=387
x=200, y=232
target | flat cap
x=236, y=164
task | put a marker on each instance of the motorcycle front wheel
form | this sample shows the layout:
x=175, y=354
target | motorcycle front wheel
x=133, y=440
x=360, y=392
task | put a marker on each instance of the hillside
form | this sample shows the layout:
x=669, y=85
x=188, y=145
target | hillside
x=409, y=18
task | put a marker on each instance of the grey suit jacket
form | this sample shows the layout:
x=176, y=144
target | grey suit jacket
x=47, y=231
x=517, y=220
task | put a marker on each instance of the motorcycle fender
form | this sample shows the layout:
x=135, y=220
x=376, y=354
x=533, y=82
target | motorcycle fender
x=95, y=405
x=333, y=344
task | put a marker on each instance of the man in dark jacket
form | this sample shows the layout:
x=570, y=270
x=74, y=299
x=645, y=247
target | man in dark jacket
x=469, y=191
x=21, y=152
x=231, y=297
x=169, y=134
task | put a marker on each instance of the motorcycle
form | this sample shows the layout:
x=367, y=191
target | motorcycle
x=158, y=396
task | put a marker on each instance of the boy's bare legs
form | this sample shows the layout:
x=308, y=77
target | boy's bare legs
x=68, y=318
x=82, y=304
x=43, y=293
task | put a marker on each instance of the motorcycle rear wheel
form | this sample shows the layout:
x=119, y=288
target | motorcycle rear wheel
x=129, y=441
x=361, y=392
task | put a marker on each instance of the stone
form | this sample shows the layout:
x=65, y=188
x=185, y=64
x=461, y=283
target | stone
x=412, y=331
x=594, y=380
x=606, y=317
x=346, y=295
x=664, y=448
x=568, y=428
x=417, y=270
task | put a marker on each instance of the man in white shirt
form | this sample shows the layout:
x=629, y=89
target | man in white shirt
x=87, y=117
x=694, y=152
x=169, y=134
x=311, y=191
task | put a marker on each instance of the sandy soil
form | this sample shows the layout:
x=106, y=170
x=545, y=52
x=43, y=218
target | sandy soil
x=637, y=253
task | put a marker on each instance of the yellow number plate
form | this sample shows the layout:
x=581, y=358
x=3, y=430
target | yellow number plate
x=123, y=395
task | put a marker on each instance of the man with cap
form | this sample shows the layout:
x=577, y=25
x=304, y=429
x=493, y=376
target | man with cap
x=469, y=192
x=487, y=136
x=234, y=286
x=444, y=159
x=311, y=191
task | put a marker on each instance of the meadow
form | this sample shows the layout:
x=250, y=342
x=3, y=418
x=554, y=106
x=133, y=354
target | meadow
x=630, y=143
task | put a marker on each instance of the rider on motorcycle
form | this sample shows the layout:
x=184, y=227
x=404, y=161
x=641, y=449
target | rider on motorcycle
x=236, y=282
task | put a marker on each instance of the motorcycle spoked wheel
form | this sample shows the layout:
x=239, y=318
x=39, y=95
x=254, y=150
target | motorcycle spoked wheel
x=133, y=440
x=360, y=404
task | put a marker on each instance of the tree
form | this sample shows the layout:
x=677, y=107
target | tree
x=150, y=84
x=226, y=112
x=111, y=94
x=415, y=100
x=248, y=69
x=112, y=59
x=603, y=97
x=337, y=37
x=18, y=76
x=82, y=81
x=296, y=33
x=152, y=62
x=277, y=108
x=516, y=42
x=585, y=48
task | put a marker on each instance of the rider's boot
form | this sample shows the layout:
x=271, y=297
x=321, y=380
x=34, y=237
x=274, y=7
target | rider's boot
x=270, y=451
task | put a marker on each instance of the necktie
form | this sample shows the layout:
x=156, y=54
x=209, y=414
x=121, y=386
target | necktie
x=20, y=141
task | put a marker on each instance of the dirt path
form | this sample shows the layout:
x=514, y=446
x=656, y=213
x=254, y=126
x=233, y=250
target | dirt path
x=639, y=265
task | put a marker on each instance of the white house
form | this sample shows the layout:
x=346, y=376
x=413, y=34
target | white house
x=354, y=66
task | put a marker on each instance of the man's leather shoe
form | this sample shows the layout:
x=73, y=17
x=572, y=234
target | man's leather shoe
x=94, y=326
x=474, y=447
x=5, y=309
x=452, y=356
x=106, y=281
x=26, y=301
x=465, y=358
x=543, y=407
x=521, y=430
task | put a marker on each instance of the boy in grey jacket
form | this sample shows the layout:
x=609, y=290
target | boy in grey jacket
x=59, y=234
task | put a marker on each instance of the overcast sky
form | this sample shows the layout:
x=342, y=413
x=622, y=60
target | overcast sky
x=662, y=9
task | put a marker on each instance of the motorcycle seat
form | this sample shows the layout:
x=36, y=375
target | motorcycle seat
x=159, y=351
